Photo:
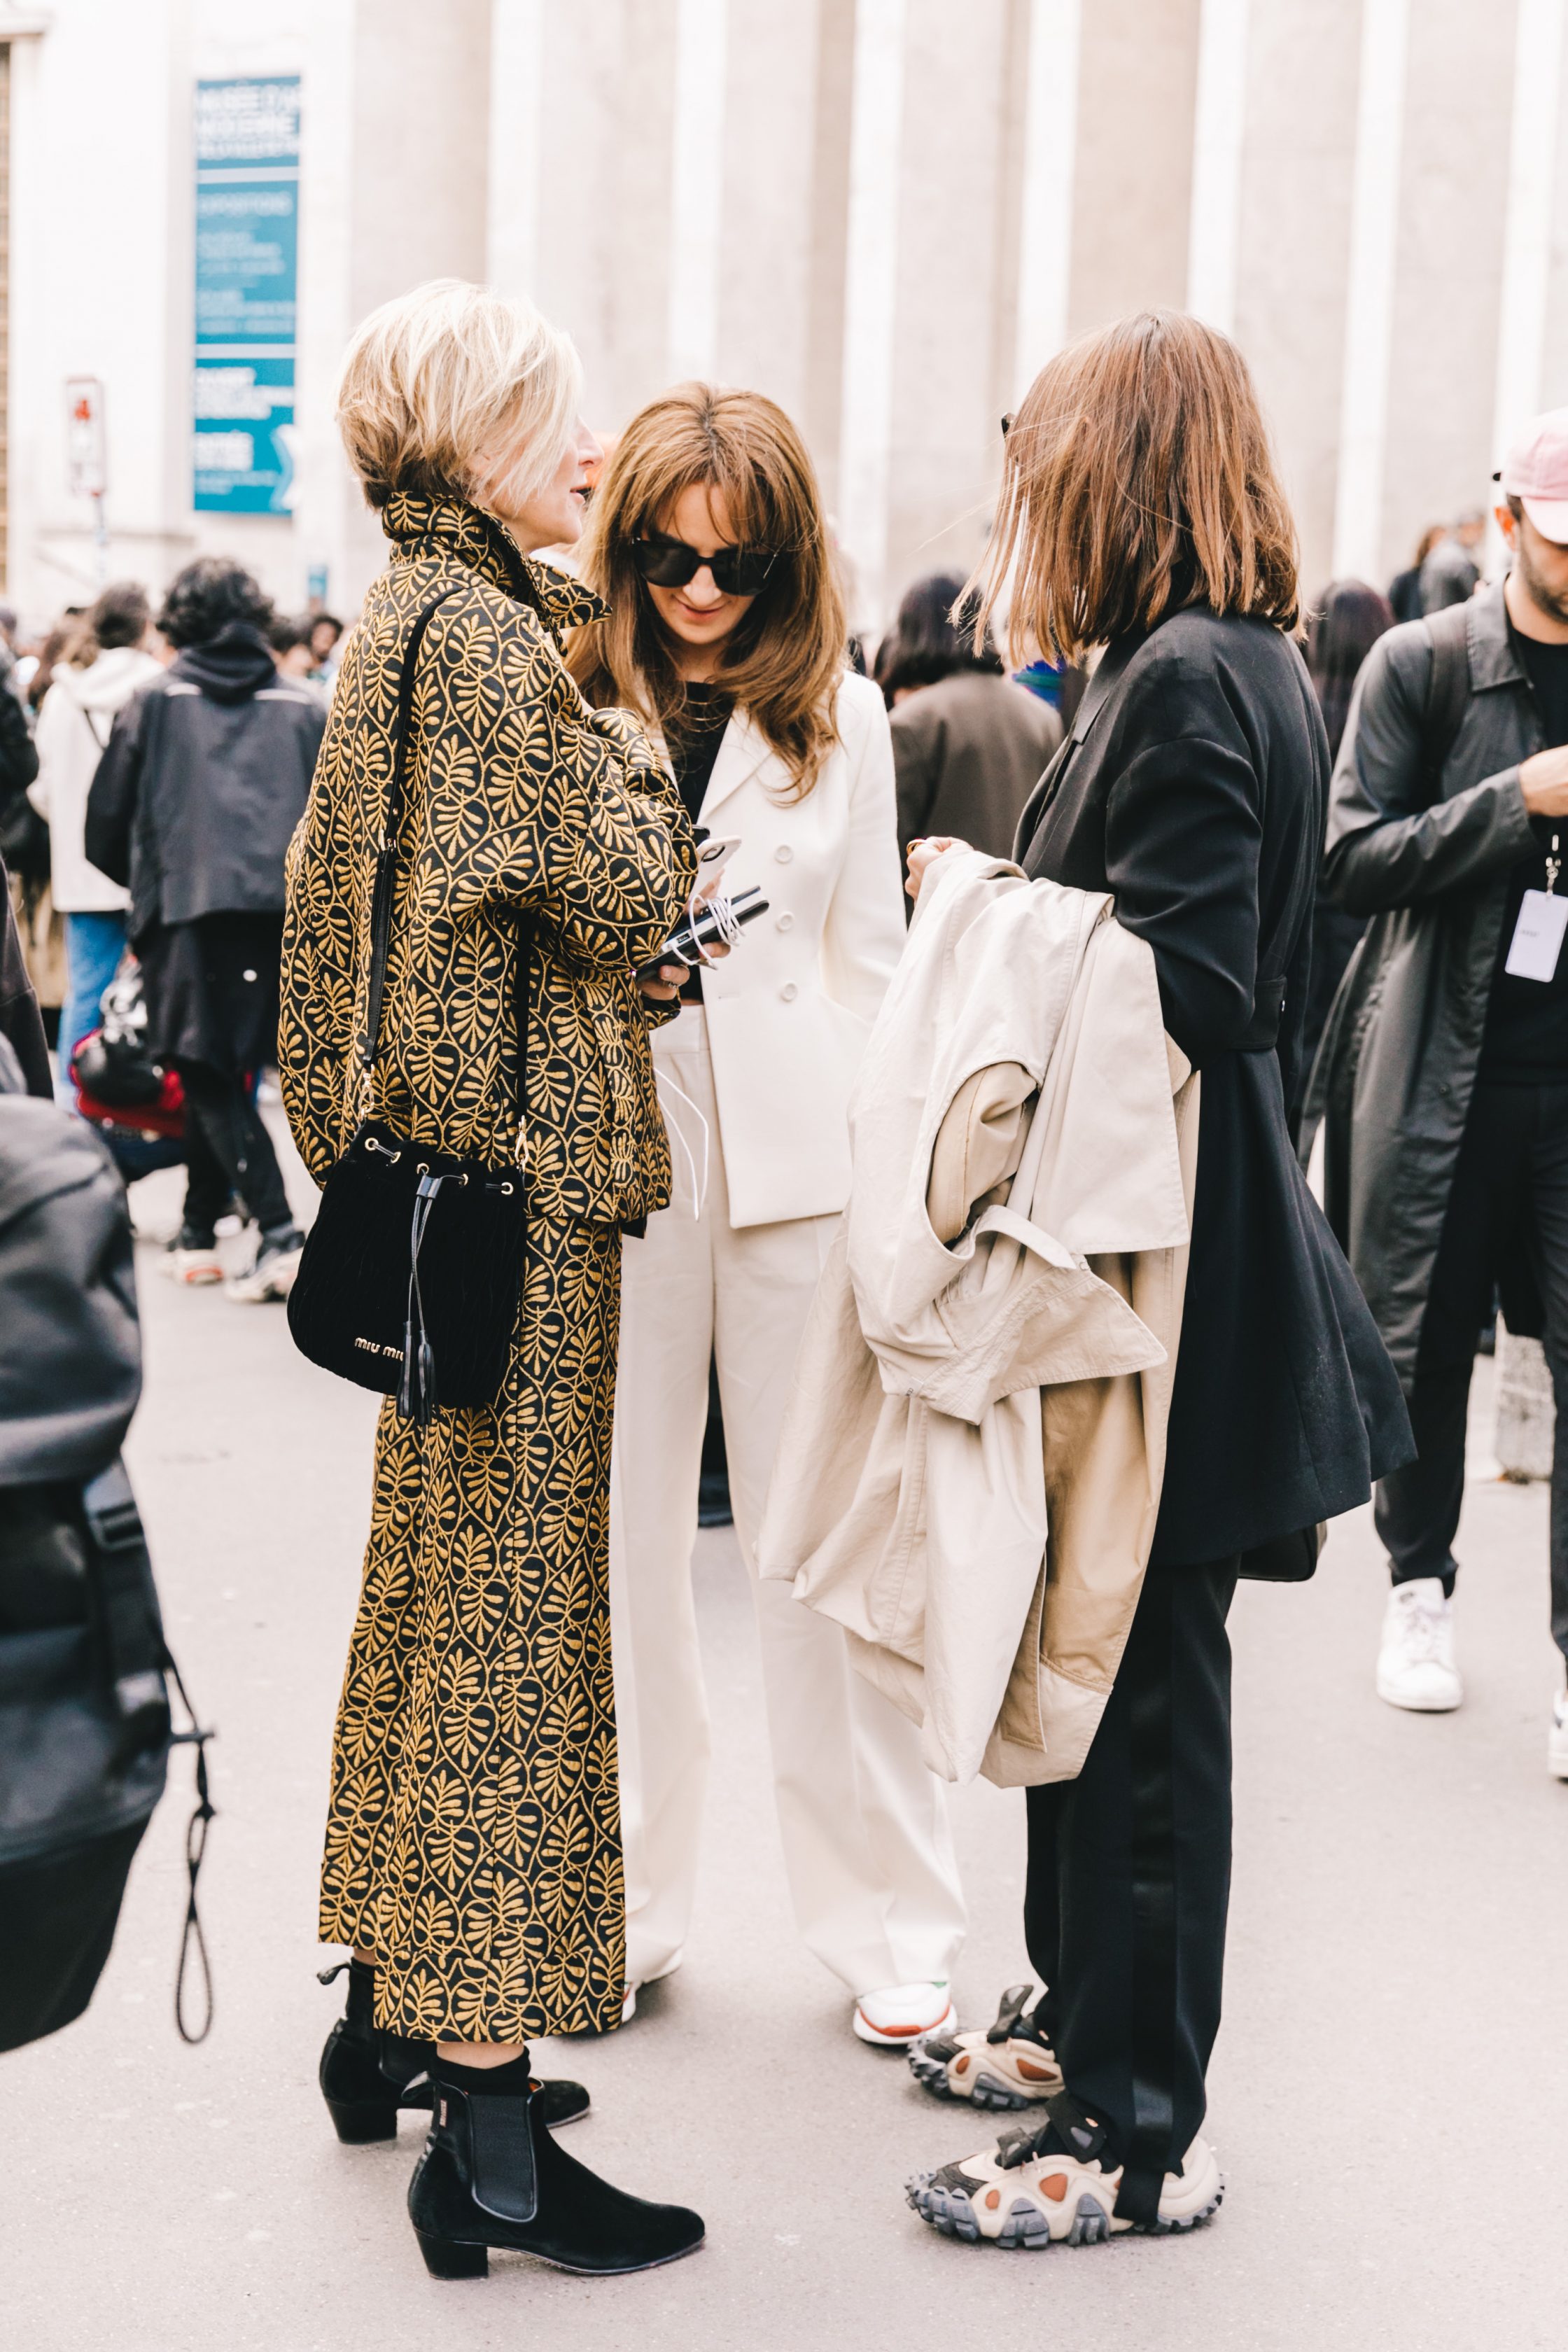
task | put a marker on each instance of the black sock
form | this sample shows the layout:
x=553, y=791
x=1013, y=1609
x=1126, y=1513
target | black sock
x=508, y=2081
x=358, y=2011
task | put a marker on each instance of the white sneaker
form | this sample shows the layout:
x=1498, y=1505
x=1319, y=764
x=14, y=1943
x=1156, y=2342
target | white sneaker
x=1415, y=1663
x=193, y=1266
x=272, y=1276
x=895, y=2015
x=1557, y=1738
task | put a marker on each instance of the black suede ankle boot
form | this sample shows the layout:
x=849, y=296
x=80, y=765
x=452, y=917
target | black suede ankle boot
x=492, y=2176
x=367, y=2073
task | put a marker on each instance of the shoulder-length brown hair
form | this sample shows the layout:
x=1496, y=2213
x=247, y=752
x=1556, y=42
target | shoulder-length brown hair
x=1138, y=480
x=784, y=662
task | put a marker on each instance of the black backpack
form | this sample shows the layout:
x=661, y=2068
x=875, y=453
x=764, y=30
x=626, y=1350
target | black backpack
x=85, y=1674
x=85, y=1734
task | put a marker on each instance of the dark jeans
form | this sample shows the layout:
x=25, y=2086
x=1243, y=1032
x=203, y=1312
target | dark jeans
x=1510, y=1188
x=227, y=1150
x=1129, y=1881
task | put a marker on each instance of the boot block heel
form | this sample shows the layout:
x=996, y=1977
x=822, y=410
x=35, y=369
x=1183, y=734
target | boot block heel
x=446, y=2259
x=357, y=2122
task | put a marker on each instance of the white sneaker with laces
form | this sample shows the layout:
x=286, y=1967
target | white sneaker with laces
x=1416, y=1666
x=1557, y=1738
x=895, y=2015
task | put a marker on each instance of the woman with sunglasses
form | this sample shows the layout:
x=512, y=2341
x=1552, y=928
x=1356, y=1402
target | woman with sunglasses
x=727, y=634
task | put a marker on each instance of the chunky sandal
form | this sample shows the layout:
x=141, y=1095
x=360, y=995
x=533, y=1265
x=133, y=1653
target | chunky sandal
x=1002, y=2066
x=1056, y=2186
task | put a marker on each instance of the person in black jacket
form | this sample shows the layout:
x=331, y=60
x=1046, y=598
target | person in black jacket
x=1444, y=1074
x=24, y=836
x=192, y=805
x=1141, y=512
x=21, y=1023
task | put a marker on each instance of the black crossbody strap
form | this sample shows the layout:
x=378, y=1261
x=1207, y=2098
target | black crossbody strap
x=1447, y=689
x=385, y=881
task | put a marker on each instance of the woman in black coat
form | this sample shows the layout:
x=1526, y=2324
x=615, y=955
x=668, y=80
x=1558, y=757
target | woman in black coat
x=1141, y=512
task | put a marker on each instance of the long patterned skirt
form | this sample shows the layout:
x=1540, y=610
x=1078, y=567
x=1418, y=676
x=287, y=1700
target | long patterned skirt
x=473, y=1837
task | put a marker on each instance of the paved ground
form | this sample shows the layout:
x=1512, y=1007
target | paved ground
x=1390, y=2096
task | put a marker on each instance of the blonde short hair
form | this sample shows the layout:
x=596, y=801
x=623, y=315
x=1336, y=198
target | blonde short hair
x=435, y=379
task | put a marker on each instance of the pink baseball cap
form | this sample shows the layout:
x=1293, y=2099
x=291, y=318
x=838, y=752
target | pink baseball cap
x=1535, y=472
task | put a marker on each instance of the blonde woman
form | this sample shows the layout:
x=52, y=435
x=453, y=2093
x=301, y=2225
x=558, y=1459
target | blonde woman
x=473, y=1850
x=726, y=634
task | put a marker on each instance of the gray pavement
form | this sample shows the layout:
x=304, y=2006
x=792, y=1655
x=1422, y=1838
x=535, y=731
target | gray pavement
x=1390, y=2094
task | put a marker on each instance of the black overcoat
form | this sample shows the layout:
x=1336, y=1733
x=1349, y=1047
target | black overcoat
x=206, y=777
x=1427, y=856
x=1193, y=787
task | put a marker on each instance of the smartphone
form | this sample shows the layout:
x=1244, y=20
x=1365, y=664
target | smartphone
x=714, y=852
x=684, y=946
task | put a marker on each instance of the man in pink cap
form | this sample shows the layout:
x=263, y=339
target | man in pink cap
x=1443, y=1075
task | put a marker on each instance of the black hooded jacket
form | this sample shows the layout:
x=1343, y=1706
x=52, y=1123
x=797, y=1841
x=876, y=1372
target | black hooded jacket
x=203, y=781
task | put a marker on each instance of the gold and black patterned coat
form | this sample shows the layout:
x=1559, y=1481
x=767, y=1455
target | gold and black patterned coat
x=473, y=1838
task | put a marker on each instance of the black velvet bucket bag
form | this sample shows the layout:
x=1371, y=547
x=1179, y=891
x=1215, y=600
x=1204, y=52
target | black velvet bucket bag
x=411, y=1274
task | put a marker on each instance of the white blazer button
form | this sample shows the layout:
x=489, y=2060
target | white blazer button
x=786, y=922
x=783, y=853
x=789, y=992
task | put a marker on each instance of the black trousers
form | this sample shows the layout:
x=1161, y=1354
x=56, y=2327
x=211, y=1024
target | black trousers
x=1129, y=1882
x=227, y=1150
x=1509, y=1199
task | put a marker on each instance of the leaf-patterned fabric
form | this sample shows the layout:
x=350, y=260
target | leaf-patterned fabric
x=473, y=1838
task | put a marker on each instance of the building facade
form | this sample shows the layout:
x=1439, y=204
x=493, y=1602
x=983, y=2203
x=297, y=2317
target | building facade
x=885, y=213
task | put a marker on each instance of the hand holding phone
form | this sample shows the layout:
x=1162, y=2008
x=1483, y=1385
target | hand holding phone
x=685, y=945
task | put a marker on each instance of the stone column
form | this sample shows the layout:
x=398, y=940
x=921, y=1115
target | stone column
x=1293, y=245
x=394, y=190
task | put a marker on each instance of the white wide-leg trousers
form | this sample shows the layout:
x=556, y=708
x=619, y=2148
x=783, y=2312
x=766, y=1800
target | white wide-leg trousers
x=866, y=1848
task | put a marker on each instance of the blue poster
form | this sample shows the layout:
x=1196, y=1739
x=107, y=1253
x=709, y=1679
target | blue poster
x=247, y=224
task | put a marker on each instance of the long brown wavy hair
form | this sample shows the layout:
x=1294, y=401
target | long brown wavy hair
x=1137, y=479
x=784, y=662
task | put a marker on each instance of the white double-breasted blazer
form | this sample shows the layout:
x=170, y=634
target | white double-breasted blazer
x=790, y=1010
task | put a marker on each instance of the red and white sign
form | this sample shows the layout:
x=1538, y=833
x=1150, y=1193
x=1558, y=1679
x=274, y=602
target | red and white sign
x=87, y=456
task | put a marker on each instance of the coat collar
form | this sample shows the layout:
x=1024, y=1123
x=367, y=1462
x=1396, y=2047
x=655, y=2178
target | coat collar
x=1096, y=694
x=450, y=531
x=1489, y=641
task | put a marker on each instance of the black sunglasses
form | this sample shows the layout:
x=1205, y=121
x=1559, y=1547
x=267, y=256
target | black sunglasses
x=736, y=571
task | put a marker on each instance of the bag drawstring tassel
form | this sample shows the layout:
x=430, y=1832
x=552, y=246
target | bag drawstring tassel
x=416, y=1389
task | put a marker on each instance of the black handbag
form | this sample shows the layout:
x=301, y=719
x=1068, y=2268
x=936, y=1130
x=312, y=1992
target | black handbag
x=411, y=1274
